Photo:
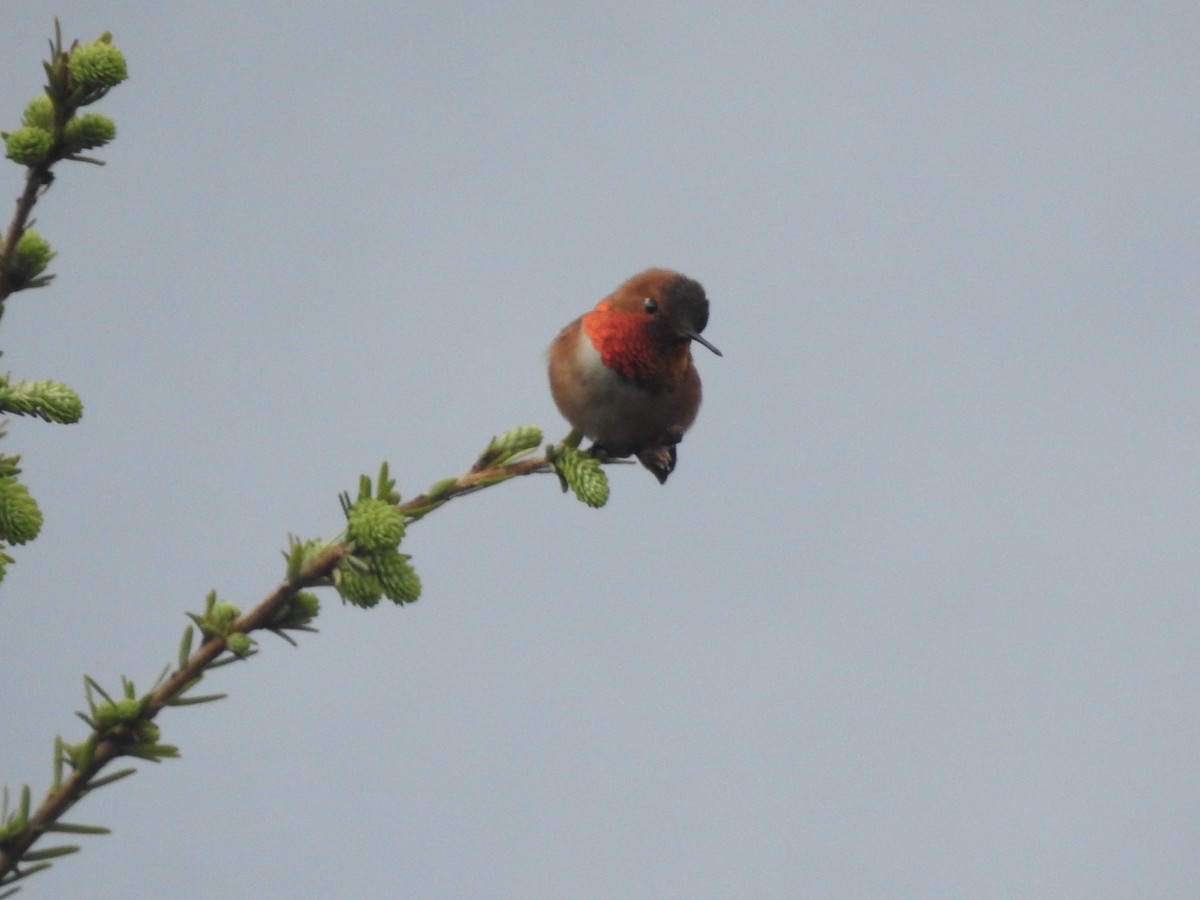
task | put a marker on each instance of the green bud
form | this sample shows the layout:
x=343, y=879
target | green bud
x=112, y=716
x=385, y=486
x=222, y=614
x=592, y=487
x=396, y=576
x=9, y=464
x=128, y=709
x=519, y=439
x=508, y=446
x=299, y=610
x=20, y=518
x=48, y=400
x=374, y=525
x=105, y=716
x=88, y=131
x=28, y=146
x=96, y=66
x=239, y=643
x=357, y=588
x=300, y=553
x=39, y=113
x=582, y=472
x=32, y=256
x=307, y=603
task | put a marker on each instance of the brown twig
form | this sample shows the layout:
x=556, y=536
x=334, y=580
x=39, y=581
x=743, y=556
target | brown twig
x=475, y=480
x=36, y=179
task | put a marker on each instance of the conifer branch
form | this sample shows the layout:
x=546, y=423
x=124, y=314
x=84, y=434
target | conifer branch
x=91, y=757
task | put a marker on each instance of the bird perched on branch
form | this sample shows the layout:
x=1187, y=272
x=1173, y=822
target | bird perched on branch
x=622, y=374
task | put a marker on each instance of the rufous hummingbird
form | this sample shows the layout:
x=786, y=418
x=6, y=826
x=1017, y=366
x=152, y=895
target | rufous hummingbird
x=623, y=374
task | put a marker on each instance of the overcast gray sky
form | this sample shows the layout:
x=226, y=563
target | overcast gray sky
x=916, y=616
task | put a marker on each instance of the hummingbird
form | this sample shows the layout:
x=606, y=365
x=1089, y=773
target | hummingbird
x=622, y=374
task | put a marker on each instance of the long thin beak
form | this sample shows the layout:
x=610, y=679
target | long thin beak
x=699, y=340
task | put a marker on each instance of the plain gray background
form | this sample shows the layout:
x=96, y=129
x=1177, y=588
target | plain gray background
x=915, y=616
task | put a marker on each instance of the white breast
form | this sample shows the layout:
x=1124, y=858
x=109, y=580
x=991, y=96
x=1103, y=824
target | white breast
x=618, y=414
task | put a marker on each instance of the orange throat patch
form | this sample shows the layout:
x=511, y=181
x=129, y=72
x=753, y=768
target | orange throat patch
x=630, y=349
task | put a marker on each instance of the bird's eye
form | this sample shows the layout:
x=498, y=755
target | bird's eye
x=651, y=306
